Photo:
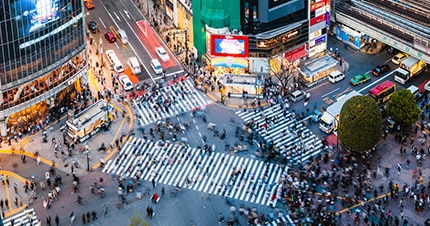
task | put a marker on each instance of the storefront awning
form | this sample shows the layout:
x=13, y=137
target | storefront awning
x=295, y=54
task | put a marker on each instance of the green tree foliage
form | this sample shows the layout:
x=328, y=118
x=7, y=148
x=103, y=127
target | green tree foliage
x=403, y=108
x=137, y=221
x=360, y=124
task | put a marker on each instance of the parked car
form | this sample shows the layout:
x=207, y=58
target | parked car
x=162, y=54
x=380, y=69
x=92, y=26
x=110, y=36
x=127, y=85
x=359, y=79
x=398, y=58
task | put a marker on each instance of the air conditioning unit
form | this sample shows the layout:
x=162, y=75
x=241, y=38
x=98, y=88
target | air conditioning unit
x=235, y=31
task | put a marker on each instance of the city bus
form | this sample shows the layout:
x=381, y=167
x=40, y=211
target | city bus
x=383, y=92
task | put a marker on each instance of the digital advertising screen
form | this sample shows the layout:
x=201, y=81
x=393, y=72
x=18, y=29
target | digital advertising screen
x=33, y=15
x=224, y=45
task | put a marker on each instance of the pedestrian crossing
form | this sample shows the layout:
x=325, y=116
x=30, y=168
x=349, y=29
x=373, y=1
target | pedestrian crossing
x=213, y=173
x=26, y=217
x=281, y=128
x=170, y=100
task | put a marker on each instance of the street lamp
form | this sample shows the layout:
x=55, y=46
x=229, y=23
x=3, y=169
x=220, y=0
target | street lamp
x=88, y=156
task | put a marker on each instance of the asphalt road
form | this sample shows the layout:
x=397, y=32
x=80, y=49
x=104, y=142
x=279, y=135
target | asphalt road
x=142, y=40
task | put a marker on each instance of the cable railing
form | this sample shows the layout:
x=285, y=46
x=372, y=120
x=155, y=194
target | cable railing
x=377, y=23
x=394, y=19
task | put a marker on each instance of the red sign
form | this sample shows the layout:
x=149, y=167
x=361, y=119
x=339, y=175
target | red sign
x=229, y=45
x=317, y=5
x=317, y=19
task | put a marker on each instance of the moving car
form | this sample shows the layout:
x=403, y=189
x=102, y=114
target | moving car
x=110, y=36
x=162, y=54
x=127, y=85
x=89, y=4
x=335, y=76
x=92, y=26
x=156, y=66
x=398, y=58
x=297, y=95
x=380, y=69
x=359, y=79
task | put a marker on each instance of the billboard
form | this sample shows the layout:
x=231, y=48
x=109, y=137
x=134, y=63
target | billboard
x=33, y=15
x=227, y=45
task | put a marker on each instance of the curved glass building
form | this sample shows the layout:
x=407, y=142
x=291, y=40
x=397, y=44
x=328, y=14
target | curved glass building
x=42, y=61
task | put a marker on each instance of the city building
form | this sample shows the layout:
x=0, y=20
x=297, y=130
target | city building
x=266, y=31
x=42, y=61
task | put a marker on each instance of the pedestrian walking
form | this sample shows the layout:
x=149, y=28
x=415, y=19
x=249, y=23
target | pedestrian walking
x=408, y=162
x=399, y=168
x=88, y=217
x=84, y=219
x=105, y=210
x=57, y=220
x=15, y=188
x=72, y=218
x=48, y=220
x=153, y=182
x=94, y=214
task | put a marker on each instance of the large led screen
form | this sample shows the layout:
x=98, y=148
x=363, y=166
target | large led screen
x=33, y=15
x=224, y=45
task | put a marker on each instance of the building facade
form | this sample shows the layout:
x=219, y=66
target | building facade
x=244, y=36
x=42, y=61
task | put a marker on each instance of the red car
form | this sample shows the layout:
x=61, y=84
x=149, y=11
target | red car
x=110, y=36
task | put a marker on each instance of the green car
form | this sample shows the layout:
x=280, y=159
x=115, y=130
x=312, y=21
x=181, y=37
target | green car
x=359, y=79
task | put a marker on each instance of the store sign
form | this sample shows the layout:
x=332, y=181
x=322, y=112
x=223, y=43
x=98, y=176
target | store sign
x=319, y=26
x=313, y=35
x=228, y=45
x=320, y=12
x=317, y=5
x=317, y=19
x=317, y=49
x=317, y=41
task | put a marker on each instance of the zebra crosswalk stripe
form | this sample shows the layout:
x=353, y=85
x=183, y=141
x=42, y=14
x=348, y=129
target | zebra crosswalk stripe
x=151, y=112
x=172, y=164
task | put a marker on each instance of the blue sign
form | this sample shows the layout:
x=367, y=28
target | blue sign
x=320, y=39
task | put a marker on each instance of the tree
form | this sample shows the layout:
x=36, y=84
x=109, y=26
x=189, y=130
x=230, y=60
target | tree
x=360, y=124
x=403, y=108
x=281, y=69
x=137, y=221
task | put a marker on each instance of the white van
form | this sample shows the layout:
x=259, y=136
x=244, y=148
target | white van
x=156, y=66
x=414, y=90
x=114, y=61
x=134, y=65
x=122, y=36
x=297, y=95
x=335, y=76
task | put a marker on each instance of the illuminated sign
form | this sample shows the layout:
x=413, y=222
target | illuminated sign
x=317, y=5
x=320, y=39
x=317, y=19
x=225, y=45
x=33, y=15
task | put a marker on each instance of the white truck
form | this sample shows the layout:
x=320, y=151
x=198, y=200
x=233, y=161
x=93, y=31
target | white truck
x=330, y=118
x=409, y=68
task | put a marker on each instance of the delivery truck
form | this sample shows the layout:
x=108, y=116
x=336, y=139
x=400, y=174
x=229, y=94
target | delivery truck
x=409, y=68
x=330, y=118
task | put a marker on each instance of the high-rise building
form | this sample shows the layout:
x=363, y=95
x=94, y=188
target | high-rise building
x=42, y=61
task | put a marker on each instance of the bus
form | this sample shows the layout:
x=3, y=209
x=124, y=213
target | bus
x=114, y=61
x=383, y=92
